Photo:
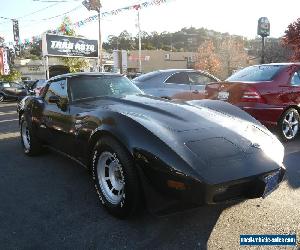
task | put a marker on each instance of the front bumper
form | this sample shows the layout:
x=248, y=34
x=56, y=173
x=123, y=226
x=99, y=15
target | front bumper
x=162, y=200
x=249, y=188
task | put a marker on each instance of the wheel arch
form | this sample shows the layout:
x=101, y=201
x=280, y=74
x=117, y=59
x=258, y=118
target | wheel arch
x=100, y=133
x=97, y=135
x=287, y=108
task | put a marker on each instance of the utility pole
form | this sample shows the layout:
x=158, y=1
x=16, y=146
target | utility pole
x=96, y=5
x=263, y=50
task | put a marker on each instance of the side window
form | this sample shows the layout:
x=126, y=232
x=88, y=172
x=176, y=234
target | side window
x=179, y=78
x=6, y=85
x=15, y=85
x=295, y=81
x=57, y=88
x=199, y=79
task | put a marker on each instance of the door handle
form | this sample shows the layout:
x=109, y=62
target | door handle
x=195, y=91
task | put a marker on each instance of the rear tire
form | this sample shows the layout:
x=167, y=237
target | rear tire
x=2, y=98
x=115, y=178
x=31, y=144
x=288, y=124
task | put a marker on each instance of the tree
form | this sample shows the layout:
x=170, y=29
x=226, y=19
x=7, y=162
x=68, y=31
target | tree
x=207, y=59
x=74, y=64
x=31, y=51
x=232, y=54
x=13, y=76
x=291, y=39
x=275, y=51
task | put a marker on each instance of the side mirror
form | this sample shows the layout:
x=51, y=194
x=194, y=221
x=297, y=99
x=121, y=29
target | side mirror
x=54, y=99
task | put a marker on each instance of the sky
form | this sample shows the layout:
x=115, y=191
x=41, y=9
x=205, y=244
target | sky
x=236, y=17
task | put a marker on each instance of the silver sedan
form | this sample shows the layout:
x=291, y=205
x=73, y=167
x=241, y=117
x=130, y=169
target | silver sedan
x=184, y=84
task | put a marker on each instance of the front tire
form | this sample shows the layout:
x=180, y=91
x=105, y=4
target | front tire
x=289, y=124
x=115, y=178
x=31, y=144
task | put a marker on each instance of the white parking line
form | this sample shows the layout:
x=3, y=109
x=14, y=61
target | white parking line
x=8, y=105
x=9, y=135
x=11, y=120
x=9, y=113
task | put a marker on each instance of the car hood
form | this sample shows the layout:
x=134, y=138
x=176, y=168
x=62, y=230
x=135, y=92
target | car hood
x=210, y=136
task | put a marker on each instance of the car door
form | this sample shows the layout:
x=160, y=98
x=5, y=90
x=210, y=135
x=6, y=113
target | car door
x=57, y=121
x=198, y=82
x=178, y=86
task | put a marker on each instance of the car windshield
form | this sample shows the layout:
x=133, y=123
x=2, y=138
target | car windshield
x=97, y=86
x=146, y=77
x=256, y=73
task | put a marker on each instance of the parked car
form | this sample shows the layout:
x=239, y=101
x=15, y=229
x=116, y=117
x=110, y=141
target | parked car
x=175, y=83
x=142, y=148
x=11, y=91
x=269, y=92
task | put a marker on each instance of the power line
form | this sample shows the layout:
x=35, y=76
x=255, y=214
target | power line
x=38, y=11
x=49, y=18
x=43, y=19
x=29, y=14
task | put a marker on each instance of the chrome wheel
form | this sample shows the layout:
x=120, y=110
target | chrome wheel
x=111, y=177
x=25, y=135
x=290, y=125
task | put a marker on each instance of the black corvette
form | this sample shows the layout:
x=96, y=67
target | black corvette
x=139, y=148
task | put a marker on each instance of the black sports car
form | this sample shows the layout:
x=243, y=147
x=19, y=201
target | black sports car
x=142, y=148
x=12, y=91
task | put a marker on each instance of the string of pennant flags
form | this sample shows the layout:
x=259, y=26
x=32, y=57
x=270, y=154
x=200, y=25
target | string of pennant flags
x=94, y=18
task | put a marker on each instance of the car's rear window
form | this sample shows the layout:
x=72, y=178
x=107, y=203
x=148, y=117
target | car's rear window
x=256, y=73
x=147, y=76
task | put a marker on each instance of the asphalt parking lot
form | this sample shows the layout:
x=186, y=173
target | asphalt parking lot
x=48, y=202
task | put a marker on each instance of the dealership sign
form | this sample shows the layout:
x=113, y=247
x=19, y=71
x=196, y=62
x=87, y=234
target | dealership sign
x=263, y=27
x=69, y=46
x=4, y=65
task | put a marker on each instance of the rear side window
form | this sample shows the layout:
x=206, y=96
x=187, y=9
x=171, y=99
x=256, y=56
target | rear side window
x=16, y=85
x=6, y=85
x=147, y=76
x=199, y=79
x=256, y=73
x=179, y=78
x=295, y=81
